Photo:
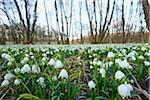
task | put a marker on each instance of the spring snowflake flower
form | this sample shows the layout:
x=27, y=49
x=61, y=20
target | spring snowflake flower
x=110, y=55
x=102, y=71
x=108, y=64
x=17, y=70
x=117, y=61
x=41, y=81
x=91, y=84
x=124, y=51
x=16, y=82
x=99, y=63
x=133, y=53
x=141, y=57
x=146, y=63
x=143, y=48
x=32, y=57
x=63, y=74
x=9, y=63
x=94, y=62
x=131, y=81
x=25, y=60
x=52, y=62
x=8, y=76
x=5, y=83
x=124, y=90
x=119, y=75
x=6, y=56
x=125, y=64
x=44, y=55
x=58, y=64
x=27, y=55
x=35, y=69
x=44, y=58
x=147, y=54
x=91, y=67
x=25, y=69
x=133, y=58
x=31, y=53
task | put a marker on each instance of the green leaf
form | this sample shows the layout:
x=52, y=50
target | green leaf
x=28, y=96
x=101, y=98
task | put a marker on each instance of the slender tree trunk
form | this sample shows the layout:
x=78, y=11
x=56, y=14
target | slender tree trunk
x=80, y=13
x=146, y=7
x=90, y=23
x=47, y=21
x=58, y=26
x=123, y=23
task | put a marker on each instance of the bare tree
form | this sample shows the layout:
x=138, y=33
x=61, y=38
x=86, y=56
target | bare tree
x=90, y=17
x=94, y=4
x=57, y=21
x=107, y=21
x=47, y=21
x=28, y=26
x=146, y=8
x=80, y=14
x=123, y=23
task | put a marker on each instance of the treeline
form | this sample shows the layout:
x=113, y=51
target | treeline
x=22, y=17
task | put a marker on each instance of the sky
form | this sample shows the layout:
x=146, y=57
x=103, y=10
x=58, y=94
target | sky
x=75, y=22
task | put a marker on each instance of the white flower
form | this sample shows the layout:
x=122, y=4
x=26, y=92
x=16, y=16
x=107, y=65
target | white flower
x=47, y=52
x=63, y=74
x=25, y=60
x=119, y=75
x=52, y=62
x=110, y=55
x=129, y=87
x=8, y=76
x=94, y=62
x=44, y=55
x=17, y=70
x=117, y=61
x=32, y=57
x=125, y=90
x=58, y=64
x=108, y=64
x=125, y=64
x=31, y=53
x=146, y=63
x=35, y=69
x=132, y=81
x=9, y=63
x=99, y=63
x=44, y=58
x=41, y=81
x=147, y=54
x=16, y=82
x=6, y=56
x=141, y=57
x=91, y=84
x=102, y=71
x=5, y=83
x=133, y=53
x=133, y=58
x=91, y=67
x=25, y=69
x=143, y=48
x=27, y=55
x=123, y=51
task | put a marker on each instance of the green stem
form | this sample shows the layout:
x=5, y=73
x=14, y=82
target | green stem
x=93, y=96
x=69, y=89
